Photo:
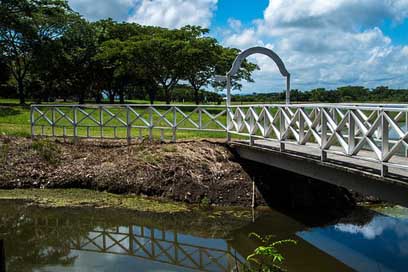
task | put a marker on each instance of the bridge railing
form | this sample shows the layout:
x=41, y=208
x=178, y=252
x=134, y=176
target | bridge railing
x=372, y=133
x=375, y=133
x=125, y=121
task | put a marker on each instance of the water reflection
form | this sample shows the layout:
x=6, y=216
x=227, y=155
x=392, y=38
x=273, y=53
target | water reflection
x=378, y=245
x=111, y=240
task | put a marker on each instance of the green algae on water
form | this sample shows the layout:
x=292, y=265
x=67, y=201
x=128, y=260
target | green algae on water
x=90, y=198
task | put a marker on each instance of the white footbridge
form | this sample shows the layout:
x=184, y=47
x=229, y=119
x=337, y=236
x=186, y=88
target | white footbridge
x=363, y=147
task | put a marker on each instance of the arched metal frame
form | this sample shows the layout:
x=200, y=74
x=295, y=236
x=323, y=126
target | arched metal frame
x=258, y=50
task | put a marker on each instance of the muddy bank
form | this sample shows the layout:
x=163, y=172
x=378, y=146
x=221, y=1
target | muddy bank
x=192, y=172
x=200, y=172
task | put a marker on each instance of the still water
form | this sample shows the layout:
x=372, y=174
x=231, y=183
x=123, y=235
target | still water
x=39, y=239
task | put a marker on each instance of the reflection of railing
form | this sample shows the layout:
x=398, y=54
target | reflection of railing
x=169, y=247
x=348, y=130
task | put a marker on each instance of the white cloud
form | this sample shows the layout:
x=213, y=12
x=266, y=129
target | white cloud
x=327, y=43
x=174, y=13
x=165, y=13
x=377, y=227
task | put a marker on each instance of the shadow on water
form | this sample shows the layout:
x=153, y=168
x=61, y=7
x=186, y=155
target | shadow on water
x=309, y=201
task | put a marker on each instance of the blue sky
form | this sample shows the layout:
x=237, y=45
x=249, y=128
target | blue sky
x=323, y=43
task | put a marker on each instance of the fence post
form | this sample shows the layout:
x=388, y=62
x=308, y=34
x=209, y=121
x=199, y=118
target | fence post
x=101, y=121
x=323, y=156
x=282, y=128
x=228, y=109
x=129, y=126
x=150, y=123
x=200, y=117
x=251, y=126
x=351, y=133
x=301, y=126
x=32, y=122
x=53, y=121
x=384, y=143
x=174, y=126
x=406, y=131
x=75, y=125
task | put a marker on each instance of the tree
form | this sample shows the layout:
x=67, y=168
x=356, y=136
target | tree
x=200, y=58
x=25, y=26
x=159, y=57
x=116, y=55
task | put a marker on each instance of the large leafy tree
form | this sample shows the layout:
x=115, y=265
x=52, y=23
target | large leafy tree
x=115, y=54
x=159, y=58
x=25, y=27
x=200, y=56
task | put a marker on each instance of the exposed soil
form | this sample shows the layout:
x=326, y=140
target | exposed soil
x=192, y=172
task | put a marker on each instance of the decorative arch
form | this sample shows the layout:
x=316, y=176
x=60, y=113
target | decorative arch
x=258, y=50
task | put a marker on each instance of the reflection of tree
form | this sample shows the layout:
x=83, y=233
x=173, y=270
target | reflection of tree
x=27, y=245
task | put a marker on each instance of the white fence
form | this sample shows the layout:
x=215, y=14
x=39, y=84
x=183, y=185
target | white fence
x=376, y=133
x=125, y=121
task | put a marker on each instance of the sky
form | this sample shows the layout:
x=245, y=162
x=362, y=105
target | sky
x=322, y=43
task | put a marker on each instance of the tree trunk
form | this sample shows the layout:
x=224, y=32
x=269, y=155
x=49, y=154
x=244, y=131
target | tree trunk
x=98, y=99
x=121, y=97
x=167, y=95
x=197, y=96
x=111, y=97
x=81, y=98
x=20, y=87
x=152, y=94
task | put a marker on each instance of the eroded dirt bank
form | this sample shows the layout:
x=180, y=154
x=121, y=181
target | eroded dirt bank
x=193, y=172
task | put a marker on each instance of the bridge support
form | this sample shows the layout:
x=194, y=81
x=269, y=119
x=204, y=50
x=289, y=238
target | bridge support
x=386, y=188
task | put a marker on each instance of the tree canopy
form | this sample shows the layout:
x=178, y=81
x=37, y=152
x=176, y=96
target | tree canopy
x=50, y=52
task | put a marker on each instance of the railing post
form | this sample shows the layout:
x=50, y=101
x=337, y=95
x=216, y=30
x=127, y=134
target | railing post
x=75, y=125
x=150, y=123
x=385, y=146
x=101, y=121
x=128, y=126
x=32, y=122
x=323, y=156
x=251, y=126
x=301, y=126
x=174, y=125
x=53, y=121
x=229, y=121
x=406, y=131
x=351, y=133
x=200, y=117
x=282, y=128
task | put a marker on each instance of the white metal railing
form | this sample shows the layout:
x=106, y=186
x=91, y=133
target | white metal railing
x=372, y=133
x=376, y=133
x=121, y=121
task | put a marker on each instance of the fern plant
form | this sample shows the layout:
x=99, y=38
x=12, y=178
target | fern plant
x=266, y=258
